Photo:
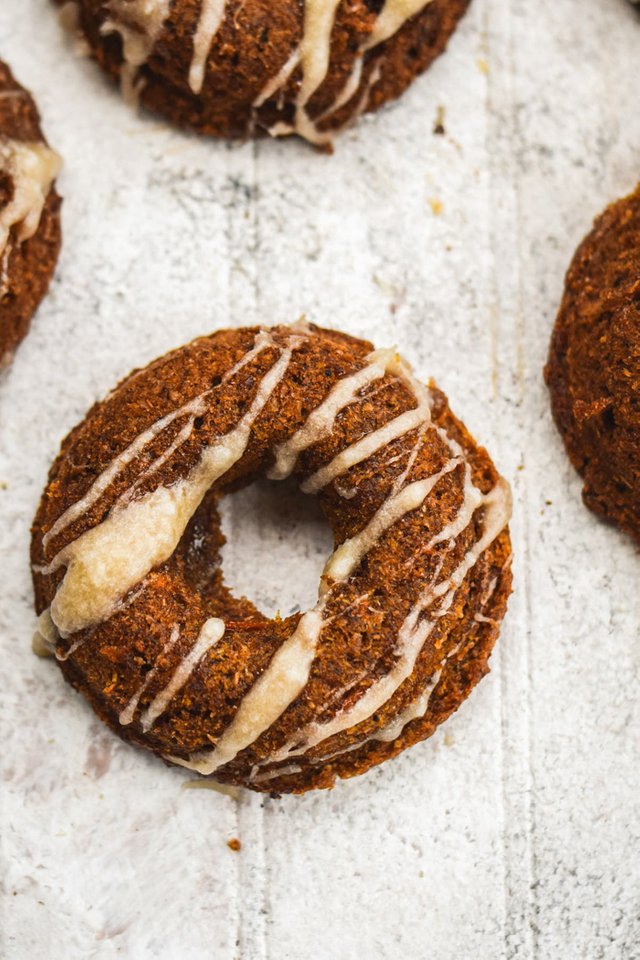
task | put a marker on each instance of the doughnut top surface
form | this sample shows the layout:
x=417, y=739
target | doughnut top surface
x=238, y=68
x=593, y=370
x=29, y=222
x=126, y=543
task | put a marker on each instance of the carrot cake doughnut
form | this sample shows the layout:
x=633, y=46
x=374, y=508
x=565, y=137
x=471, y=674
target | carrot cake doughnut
x=239, y=68
x=29, y=213
x=593, y=370
x=126, y=558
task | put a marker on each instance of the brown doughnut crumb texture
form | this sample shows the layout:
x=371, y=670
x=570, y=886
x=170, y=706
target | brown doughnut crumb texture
x=593, y=370
x=245, y=68
x=410, y=603
x=27, y=255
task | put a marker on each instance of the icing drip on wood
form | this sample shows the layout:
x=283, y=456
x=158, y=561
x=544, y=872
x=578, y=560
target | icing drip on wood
x=104, y=563
x=139, y=24
x=210, y=634
x=211, y=17
x=32, y=167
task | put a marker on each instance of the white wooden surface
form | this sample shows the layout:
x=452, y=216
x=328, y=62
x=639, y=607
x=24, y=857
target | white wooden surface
x=515, y=831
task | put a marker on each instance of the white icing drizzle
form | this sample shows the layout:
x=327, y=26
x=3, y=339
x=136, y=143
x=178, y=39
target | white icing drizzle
x=392, y=17
x=180, y=439
x=320, y=422
x=32, y=167
x=139, y=23
x=211, y=17
x=372, y=442
x=418, y=708
x=290, y=667
x=39, y=647
x=5, y=283
x=287, y=771
x=210, y=634
x=44, y=639
x=105, y=562
x=472, y=501
x=289, y=670
x=412, y=635
x=271, y=694
x=415, y=710
x=315, y=51
x=313, y=56
x=281, y=78
x=69, y=19
x=262, y=341
x=348, y=91
x=46, y=635
x=350, y=553
x=127, y=714
x=194, y=408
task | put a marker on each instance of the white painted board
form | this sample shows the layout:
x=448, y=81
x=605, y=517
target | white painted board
x=515, y=831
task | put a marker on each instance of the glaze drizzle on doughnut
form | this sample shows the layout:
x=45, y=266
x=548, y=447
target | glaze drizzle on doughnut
x=413, y=634
x=140, y=23
x=32, y=167
x=211, y=16
x=107, y=561
x=113, y=557
x=318, y=25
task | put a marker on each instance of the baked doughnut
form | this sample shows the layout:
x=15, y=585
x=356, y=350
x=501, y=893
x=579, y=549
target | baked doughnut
x=593, y=370
x=237, y=68
x=126, y=566
x=29, y=213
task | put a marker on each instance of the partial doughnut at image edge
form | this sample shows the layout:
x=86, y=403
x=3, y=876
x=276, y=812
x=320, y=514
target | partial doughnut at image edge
x=29, y=213
x=243, y=68
x=593, y=369
x=130, y=590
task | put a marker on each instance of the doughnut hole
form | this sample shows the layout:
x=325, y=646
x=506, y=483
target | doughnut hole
x=277, y=543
